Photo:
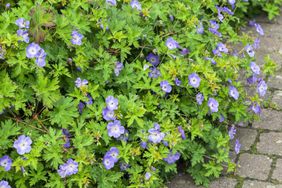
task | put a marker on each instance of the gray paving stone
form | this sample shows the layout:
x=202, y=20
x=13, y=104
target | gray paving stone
x=276, y=81
x=277, y=99
x=277, y=173
x=182, y=181
x=270, y=119
x=270, y=143
x=246, y=137
x=253, y=166
x=269, y=45
x=259, y=184
x=224, y=182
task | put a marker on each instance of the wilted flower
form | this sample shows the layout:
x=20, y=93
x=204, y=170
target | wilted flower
x=118, y=68
x=194, y=80
x=184, y=51
x=154, y=73
x=40, y=59
x=256, y=43
x=213, y=104
x=252, y=79
x=237, y=146
x=69, y=168
x=259, y=29
x=232, y=132
x=6, y=162
x=200, y=28
x=123, y=166
x=22, y=144
x=143, y=145
x=23, y=34
x=166, y=87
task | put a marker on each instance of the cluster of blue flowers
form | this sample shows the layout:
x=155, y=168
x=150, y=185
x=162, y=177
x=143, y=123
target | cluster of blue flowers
x=33, y=50
x=110, y=158
x=22, y=31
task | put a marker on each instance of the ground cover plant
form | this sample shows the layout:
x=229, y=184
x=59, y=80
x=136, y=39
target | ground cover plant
x=106, y=93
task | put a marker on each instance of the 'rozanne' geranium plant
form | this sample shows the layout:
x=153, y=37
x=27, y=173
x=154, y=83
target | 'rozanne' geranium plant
x=106, y=93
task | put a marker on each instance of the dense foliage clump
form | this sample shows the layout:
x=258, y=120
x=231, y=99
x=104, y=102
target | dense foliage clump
x=106, y=93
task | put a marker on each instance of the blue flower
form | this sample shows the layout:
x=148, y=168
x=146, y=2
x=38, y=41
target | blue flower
x=109, y=162
x=177, y=82
x=32, y=50
x=4, y=184
x=67, y=136
x=256, y=43
x=255, y=68
x=172, y=158
x=69, y=168
x=252, y=79
x=213, y=105
x=136, y=4
x=81, y=105
x=232, y=3
x=40, y=59
x=22, y=23
x=171, y=43
x=76, y=38
x=256, y=108
x=199, y=98
x=153, y=59
x=6, y=162
x=80, y=83
x=262, y=88
x=181, y=131
x=112, y=2
x=148, y=175
x=143, y=145
x=194, y=80
x=233, y=92
x=220, y=48
x=154, y=73
x=113, y=152
x=108, y=115
x=24, y=35
x=118, y=68
x=237, y=146
x=112, y=103
x=115, y=129
x=250, y=50
x=184, y=51
x=200, y=28
x=232, y=132
x=22, y=144
x=214, y=26
x=156, y=136
x=166, y=87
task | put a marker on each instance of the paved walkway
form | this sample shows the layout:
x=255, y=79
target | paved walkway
x=260, y=161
